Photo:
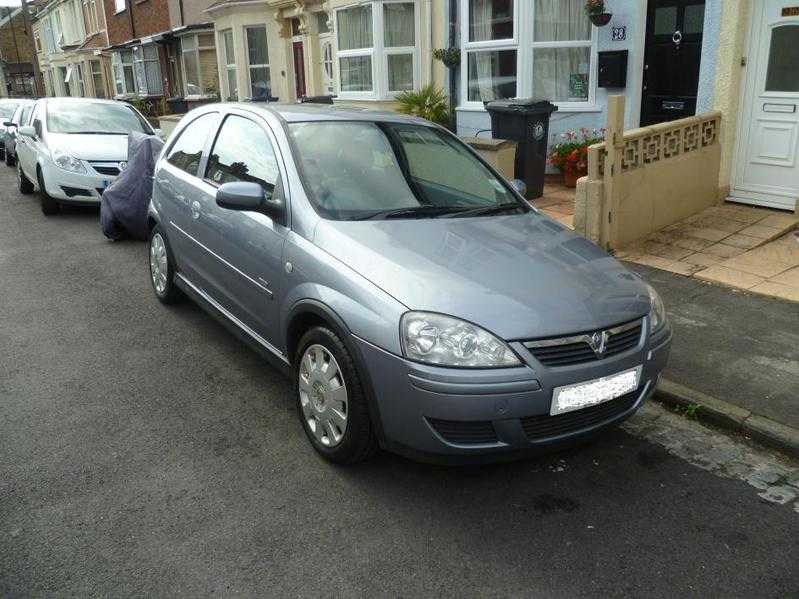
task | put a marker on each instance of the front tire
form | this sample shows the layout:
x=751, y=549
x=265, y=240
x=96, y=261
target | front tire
x=162, y=268
x=23, y=183
x=50, y=205
x=331, y=401
x=10, y=159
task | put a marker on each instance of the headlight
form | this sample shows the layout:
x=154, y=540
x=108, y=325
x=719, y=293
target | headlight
x=657, y=314
x=448, y=341
x=68, y=162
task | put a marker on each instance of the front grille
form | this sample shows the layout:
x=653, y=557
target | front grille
x=111, y=171
x=576, y=349
x=545, y=426
x=462, y=432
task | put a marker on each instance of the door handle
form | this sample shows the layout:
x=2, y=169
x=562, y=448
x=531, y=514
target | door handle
x=165, y=183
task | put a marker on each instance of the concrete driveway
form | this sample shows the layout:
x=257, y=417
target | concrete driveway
x=145, y=451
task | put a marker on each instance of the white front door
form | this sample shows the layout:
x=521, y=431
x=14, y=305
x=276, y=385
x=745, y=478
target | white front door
x=767, y=157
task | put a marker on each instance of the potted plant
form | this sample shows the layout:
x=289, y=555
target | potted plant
x=570, y=153
x=451, y=57
x=596, y=12
x=429, y=103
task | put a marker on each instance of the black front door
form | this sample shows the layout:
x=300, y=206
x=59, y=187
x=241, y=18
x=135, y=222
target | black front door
x=671, y=60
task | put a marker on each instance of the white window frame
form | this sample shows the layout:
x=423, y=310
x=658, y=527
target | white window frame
x=140, y=60
x=196, y=52
x=118, y=71
x=93, y=74
x=378, y=52
x=119, y=6
x=90, y=9
x=226, y=61
x=250, y=67
x=524, y=45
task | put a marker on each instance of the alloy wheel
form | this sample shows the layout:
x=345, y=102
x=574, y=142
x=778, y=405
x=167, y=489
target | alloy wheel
x=323, y=395
x=158, y=263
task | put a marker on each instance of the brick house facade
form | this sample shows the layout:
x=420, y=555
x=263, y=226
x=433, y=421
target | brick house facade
x=139, y=19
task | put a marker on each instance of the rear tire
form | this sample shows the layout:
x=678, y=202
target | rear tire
x=23, y=183
x=10, y=159
x=50, y=206
x=331, y=397
x=162, y=268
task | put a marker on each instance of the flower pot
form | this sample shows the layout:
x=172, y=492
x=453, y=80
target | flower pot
x=600, y=19
x=570, y=176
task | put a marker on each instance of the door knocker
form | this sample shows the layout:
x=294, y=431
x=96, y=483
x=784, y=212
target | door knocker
x=677, y=38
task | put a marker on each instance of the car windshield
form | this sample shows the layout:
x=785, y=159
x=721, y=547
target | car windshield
x=356, y=170
x=7, y=109
x=94, y=118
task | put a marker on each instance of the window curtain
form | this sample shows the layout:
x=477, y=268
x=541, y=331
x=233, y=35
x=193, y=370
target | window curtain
x=480, y=20
x=561, y=20
x=398, y=25
x=355, y=28
x=561, y=74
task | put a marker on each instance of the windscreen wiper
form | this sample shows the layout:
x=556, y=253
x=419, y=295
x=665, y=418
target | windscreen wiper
x=412, y=212
x=486, y=210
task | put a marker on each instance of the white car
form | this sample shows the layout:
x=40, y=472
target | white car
x=73, y=148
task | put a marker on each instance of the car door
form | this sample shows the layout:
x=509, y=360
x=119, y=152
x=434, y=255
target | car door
x=26, y=148
x=177, y=187
x=247, y=247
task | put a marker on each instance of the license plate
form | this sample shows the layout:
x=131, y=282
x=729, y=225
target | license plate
x=590, y=393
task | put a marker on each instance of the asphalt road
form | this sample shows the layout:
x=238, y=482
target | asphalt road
x=145, y=451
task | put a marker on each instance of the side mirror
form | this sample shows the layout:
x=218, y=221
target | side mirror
x=27, y=131
x=9, y=124
x=247, y=196
x=519, y=186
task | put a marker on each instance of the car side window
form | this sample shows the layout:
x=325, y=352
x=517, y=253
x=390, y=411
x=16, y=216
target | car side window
x=242, y=152
x=23, y=118
x=36, y=120
x=187, y=150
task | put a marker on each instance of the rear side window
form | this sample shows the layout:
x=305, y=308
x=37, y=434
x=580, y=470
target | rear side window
x=187, y=151
x=26, y=113
x=242, y=152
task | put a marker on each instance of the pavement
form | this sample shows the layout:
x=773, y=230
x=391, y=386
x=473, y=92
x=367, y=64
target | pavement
x=146, y=451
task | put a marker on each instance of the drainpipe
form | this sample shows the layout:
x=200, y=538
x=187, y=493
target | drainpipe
x=130, y=21
x=428, y=10
x=180, y=10
x=453, y=42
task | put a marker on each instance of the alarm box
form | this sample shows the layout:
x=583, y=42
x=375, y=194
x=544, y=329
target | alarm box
x=612, y=68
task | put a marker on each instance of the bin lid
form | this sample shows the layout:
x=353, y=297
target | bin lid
x=522, y=105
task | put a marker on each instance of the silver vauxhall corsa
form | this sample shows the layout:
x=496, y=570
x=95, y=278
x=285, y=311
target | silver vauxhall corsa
x=419, y=303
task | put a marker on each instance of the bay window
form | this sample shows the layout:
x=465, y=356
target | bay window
x=377, y=53
x=200, y=69
x=229, y=54
x=536, y=48
x=97, y=79
x=258, y=63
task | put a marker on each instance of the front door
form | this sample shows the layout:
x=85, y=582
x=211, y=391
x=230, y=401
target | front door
x=767, y=158
x=299, y=69
x=671, y=59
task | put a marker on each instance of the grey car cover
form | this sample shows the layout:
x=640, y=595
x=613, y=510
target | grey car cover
x=123, y=210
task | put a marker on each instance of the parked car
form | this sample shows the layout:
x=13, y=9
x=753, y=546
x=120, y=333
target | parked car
x=74, y=148
x=7, y=108
x=21, y=117
x=418, y=302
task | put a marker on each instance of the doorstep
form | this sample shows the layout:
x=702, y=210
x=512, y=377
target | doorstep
x=744, y=247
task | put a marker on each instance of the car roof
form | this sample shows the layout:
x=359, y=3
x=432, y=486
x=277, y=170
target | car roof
x=296, y=113
x=70, y=100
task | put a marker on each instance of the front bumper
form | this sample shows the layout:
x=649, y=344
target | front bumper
x=449, y=414
x=75, y=188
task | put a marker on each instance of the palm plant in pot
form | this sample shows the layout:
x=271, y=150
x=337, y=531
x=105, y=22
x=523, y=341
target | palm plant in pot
x=596, y=12
x=570, y=153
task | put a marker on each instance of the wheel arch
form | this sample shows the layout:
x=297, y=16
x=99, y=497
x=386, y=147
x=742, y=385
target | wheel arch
x=307, y=313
